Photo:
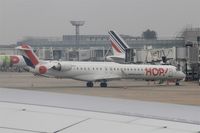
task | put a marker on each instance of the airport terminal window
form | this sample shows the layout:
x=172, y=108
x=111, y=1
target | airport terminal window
x=178, y=68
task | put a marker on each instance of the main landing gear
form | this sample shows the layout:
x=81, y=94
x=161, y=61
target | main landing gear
x=177, y=83
x=90, y=84
x=103, y=84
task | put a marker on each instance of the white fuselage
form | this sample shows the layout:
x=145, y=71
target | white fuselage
x=97, y=71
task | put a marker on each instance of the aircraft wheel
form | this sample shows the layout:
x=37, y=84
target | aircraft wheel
x=90, y=84
x=103, y=84
x=177, y=83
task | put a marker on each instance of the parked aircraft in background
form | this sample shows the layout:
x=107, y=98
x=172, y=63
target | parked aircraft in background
x=98, y=71
x=119, y=47
x=12, y=60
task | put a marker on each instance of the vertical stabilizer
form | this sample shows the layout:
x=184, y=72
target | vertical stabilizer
x=119, y=46
x=29, y=56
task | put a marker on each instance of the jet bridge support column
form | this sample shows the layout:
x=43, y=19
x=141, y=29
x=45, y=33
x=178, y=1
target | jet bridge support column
x=129, y=56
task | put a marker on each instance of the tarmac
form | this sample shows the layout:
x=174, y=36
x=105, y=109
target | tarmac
x=188, y=93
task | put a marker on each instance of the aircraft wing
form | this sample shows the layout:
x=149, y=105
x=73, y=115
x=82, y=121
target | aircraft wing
x=98, y=77
x=25, y=111
x=116, y=59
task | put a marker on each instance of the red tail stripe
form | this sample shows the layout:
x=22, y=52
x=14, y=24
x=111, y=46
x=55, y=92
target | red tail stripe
x=115, y=47
x=32, y=57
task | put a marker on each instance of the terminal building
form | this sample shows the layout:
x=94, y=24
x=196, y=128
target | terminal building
x=179, y=50
x=91, y=47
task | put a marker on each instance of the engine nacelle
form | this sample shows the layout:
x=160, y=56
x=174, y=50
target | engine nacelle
x=41, y=69
x=62, y=67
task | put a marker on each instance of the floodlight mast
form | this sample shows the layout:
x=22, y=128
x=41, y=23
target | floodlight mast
x=77, y=24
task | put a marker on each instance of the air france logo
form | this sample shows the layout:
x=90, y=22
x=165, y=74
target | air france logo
x=156, y=71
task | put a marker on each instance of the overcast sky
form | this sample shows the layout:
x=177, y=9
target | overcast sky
x=20, y=18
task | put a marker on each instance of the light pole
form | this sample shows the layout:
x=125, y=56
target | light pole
x=187, y=45
x=198, y=41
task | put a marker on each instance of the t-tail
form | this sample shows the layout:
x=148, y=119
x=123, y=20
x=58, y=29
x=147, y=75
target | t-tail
x=119, y=46
x=29, y=56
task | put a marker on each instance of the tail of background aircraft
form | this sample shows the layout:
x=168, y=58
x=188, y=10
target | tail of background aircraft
x=119, y=46
x=33, y=61
x=29, y=56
